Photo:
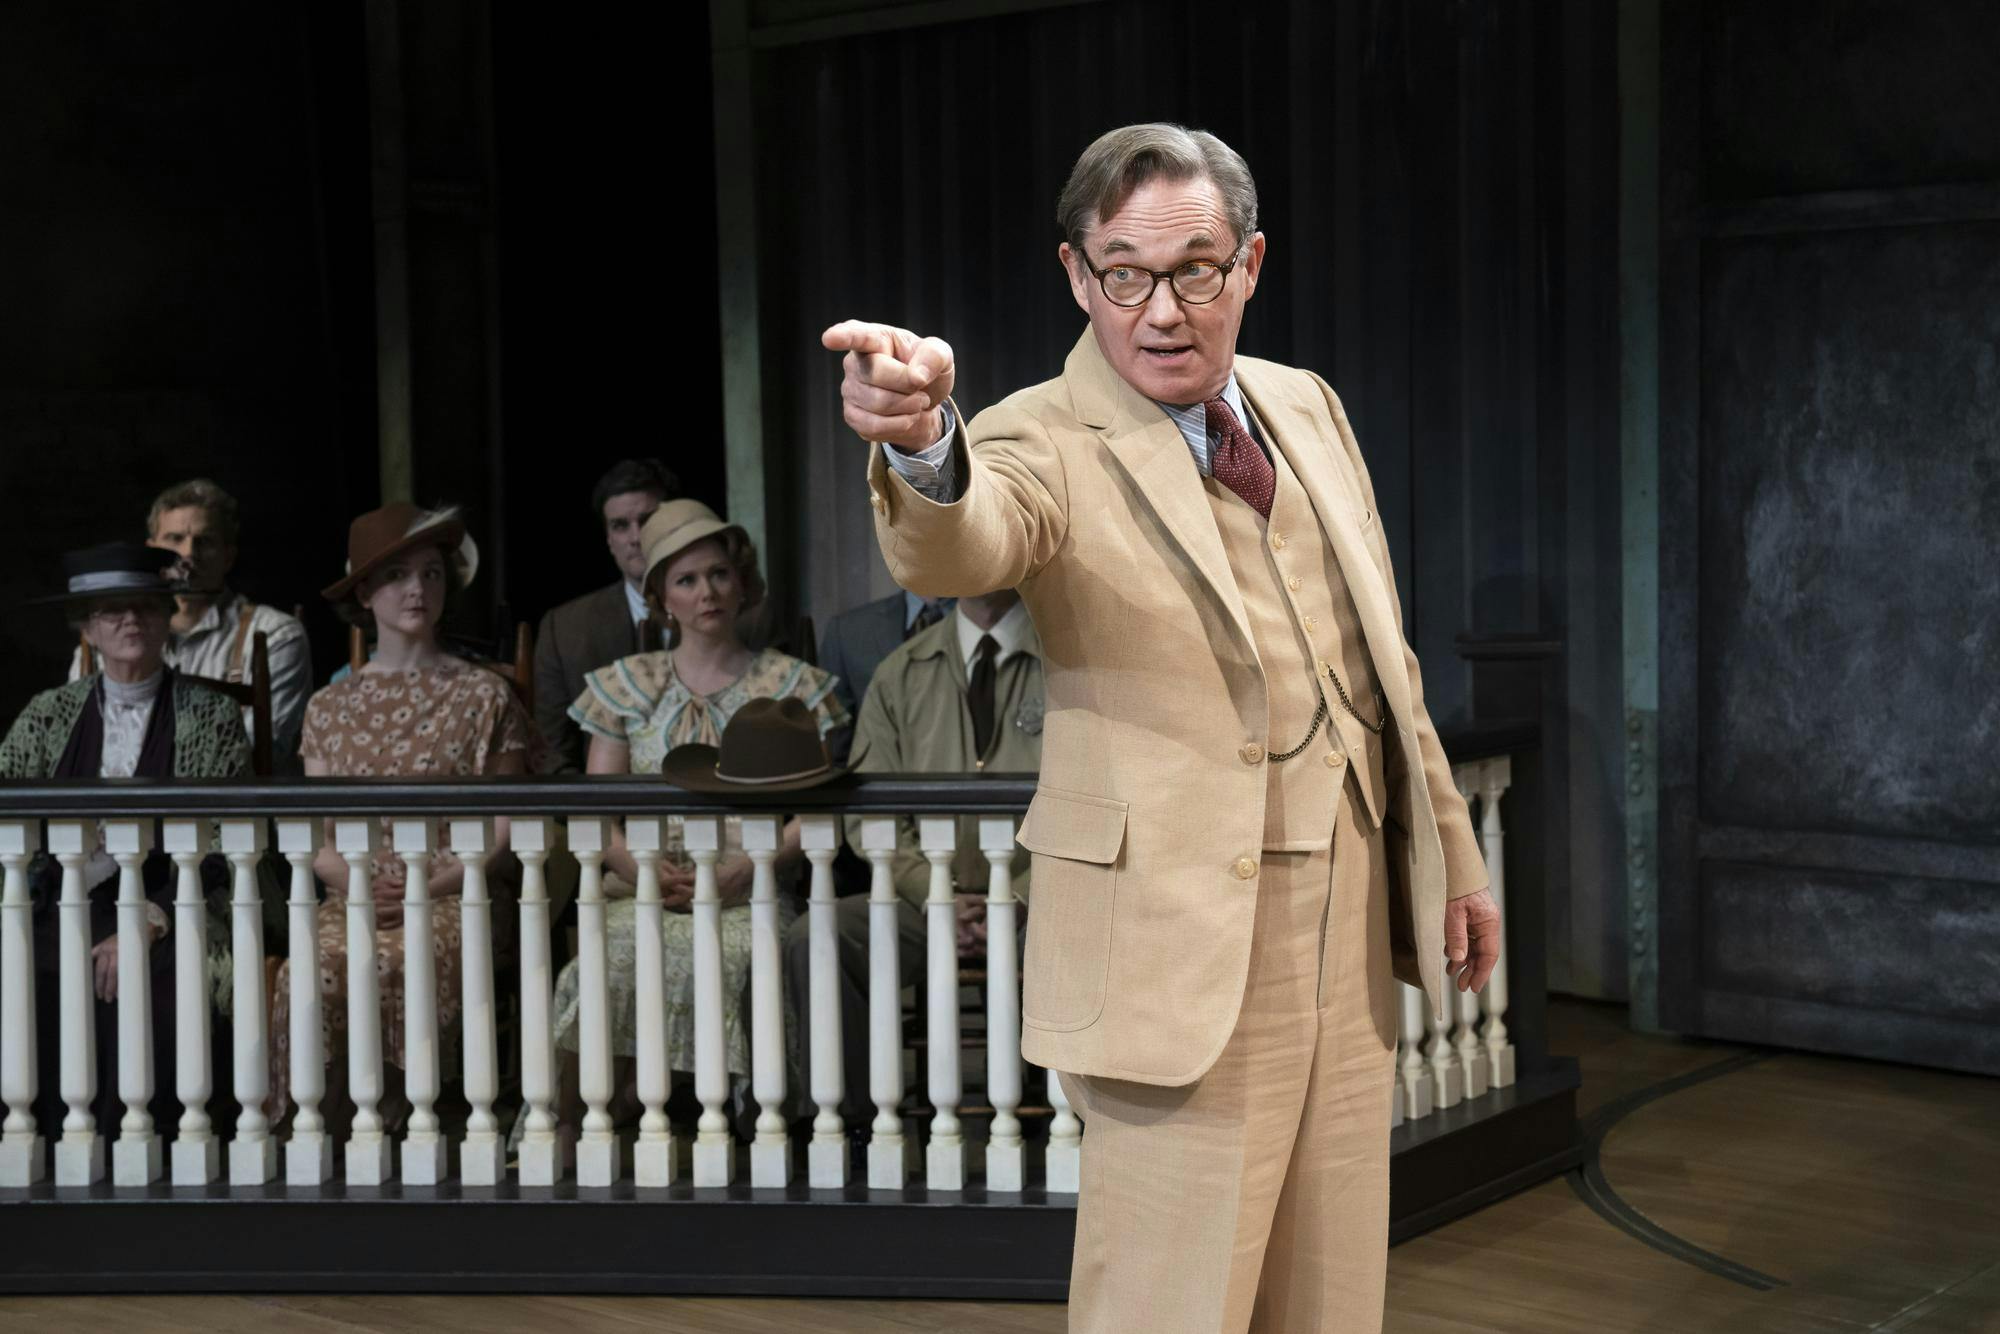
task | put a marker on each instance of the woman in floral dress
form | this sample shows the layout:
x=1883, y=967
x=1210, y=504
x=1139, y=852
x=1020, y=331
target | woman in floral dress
x=700, y=574
x=414, y=710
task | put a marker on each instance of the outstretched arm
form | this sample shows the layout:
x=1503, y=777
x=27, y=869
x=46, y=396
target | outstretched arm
x=1000, y=512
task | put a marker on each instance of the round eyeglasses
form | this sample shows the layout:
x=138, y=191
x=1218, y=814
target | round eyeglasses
x=1196, y=283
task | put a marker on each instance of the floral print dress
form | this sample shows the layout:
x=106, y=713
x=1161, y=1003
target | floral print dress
x=640, y=702
x=455, y=720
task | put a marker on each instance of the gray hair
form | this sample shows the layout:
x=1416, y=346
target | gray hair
x=1122, y=160
x=202, y=493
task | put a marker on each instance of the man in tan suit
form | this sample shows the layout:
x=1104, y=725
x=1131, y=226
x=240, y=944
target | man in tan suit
x=1246, y=827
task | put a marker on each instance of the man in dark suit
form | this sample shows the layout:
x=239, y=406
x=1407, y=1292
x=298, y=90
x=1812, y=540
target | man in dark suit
x=585, y=633
x=859, y=638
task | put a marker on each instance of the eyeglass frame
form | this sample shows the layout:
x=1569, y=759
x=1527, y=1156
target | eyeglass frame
x=1227, y=266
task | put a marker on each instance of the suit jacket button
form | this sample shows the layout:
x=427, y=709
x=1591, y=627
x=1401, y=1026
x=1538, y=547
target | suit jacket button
x=1252, y=753
x=1333, y=759
x=1246, y=868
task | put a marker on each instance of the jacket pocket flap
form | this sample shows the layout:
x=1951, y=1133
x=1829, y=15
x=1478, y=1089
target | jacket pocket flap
x=1074, y=825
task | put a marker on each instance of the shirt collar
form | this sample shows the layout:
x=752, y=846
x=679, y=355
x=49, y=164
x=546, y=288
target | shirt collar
x=1192, y=419
x=1010, y=632
x=635, y=602
x=913, y=607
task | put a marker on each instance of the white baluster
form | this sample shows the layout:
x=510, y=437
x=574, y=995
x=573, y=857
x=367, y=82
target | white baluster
x=597, y=1147
x=309, y=1152
x=1447, y=1080
x=80, y=1151
x=1005, y=1157
x=23, y=1160
x=945, y=1156
x=544, y=1145
x=135, y=1158
x=253, y=1154
x=197, y=1152
x=1496, y=776
x=482, y=1157
x=714, y=1150
x=771, y=1151
x=1062, y=1171
x=1470, y=1060
x=888, y=1149
x=1414, y=1076
x=367, y=1151
x=653, y=1156
x=424, y=1159
x=826, y=1157
x=1471, y=1056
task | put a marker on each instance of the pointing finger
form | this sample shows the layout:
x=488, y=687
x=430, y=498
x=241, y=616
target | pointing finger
x=861, y=336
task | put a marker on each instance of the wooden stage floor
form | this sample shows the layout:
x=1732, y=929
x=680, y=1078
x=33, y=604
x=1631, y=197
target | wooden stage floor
x=1777, y=1192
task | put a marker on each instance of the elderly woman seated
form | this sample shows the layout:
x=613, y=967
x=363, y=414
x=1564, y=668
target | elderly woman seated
x=133, y=718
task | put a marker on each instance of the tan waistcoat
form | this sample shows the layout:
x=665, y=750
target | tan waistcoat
x=1302, y=619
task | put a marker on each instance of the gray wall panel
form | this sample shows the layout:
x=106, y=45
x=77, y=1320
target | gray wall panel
x=1862, y=942
x=1851, y=494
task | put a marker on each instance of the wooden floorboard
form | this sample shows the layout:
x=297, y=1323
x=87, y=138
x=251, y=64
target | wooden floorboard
x=1870, y=1191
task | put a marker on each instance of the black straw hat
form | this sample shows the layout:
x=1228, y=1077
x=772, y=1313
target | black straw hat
x=113, y=570
x=771, y=745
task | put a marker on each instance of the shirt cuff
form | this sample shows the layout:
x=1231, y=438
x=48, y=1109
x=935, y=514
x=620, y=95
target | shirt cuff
x=931, y=471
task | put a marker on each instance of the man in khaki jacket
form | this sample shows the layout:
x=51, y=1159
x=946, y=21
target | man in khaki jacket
x=962, y=696
x=1246, y=827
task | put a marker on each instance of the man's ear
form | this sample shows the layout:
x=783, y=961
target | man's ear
x=1077, y=270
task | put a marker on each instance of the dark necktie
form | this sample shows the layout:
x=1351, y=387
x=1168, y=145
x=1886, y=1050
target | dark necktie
x=1237, y=463
x=979, y=695
x=928, y=615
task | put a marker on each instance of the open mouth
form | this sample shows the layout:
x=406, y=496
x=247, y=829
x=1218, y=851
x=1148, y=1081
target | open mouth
x=1168, y=356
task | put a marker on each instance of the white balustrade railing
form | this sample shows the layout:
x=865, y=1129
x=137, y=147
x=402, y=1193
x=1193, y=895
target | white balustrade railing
x=1442, y=1060
x=1464, y=1053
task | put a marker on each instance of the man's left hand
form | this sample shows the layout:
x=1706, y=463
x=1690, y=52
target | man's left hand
x=1471, y=939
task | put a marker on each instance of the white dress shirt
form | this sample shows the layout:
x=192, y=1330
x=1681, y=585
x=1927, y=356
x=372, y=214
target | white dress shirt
x=1009, y=633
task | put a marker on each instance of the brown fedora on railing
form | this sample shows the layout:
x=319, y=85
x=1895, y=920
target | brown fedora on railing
x=377, y=536
x=771, y=745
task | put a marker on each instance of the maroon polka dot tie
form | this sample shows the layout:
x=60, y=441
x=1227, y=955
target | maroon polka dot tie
x=1237, y=463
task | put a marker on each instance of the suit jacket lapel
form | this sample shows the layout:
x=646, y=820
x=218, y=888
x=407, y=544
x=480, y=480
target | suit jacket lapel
x=1296, y=430
x=1149, y=447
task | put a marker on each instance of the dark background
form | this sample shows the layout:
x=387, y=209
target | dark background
x=200, y=204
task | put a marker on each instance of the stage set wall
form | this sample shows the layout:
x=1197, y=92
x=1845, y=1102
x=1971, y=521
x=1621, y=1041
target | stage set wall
x=174, y=299
x=1438, y=186
x=1829, y=507
x=335, y=254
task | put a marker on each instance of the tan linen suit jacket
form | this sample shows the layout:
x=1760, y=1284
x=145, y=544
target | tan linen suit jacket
x=1148, y=822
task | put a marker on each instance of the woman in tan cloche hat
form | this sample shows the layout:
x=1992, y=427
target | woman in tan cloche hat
x=701, y=574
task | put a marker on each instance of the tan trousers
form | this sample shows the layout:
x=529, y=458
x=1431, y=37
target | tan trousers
x=1258, y=1197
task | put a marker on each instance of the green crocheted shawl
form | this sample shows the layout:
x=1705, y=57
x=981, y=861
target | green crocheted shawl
x=209, y=741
